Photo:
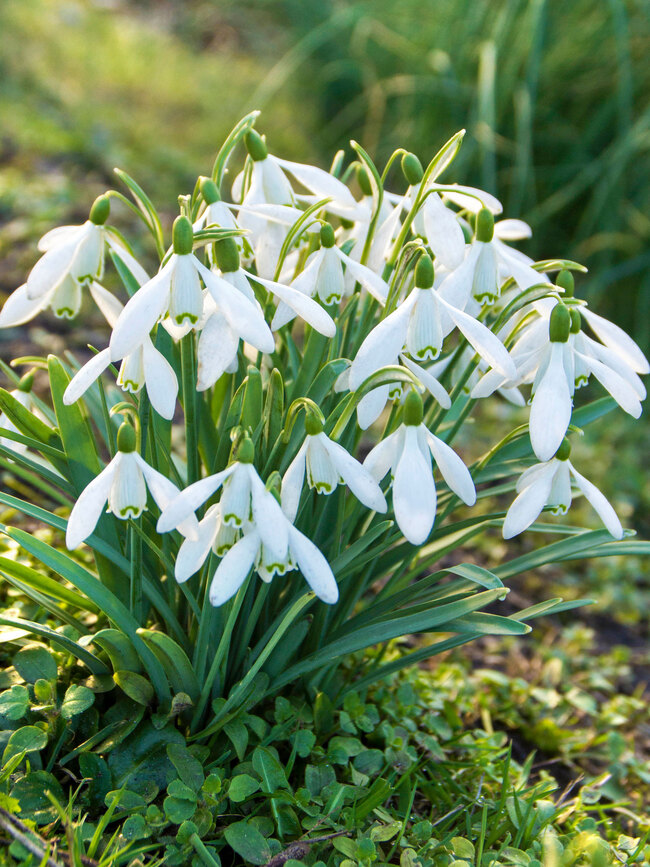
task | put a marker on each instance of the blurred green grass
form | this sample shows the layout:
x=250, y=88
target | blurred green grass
x=555, y=97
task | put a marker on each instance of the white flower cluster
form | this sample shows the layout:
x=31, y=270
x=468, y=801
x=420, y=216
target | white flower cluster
x=444, y=296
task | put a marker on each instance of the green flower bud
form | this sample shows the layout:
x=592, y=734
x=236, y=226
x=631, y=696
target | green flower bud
x=413, y=409
x=364, y=181
x=313, y=425
x=183, y=236
x=246, y=451
x=126, y=438
x=565, y=281
x=562, y=454
x=424, y=272
x=576, y=321
x=43, y=690
x=327, y=238
x=412, y=169
x=27, y=382
x=209, y=190
x=100, y=210
x=255, y=146
x=560, y=324
x=227, y=255
x=484, y=225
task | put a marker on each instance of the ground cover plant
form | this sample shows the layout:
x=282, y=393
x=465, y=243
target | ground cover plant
x=275, y=489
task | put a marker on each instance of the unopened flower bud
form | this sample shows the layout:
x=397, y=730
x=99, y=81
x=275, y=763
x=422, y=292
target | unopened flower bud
x=413, y=409
x=100, y=210
x=126, y=438
x=246, y=451
x=559, y=324
x=563, y=453
x=327, y=238
x=412, y=169
x=424, y=272
x=484, y=225
x=364, y=181
x=27, y=382
x=565, y=281
x=183, y=236
x=576, y=321
x=209, y=191
x=227, y=255
x=255, y=146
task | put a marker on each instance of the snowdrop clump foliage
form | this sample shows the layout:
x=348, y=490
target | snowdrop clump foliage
x=285, y=395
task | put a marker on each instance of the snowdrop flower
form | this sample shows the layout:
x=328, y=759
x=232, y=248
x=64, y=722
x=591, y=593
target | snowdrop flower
x=123, y=483
x=419, y=326
x=549, y=484
x=73, y=258
x=213, y=535
x=407, y=453
x=244, y=500
x=251, y=551
x=219, y=338
x=176, y=290
x=144, y=366
x=487, y=262
x=327, y=464
x=323, y=277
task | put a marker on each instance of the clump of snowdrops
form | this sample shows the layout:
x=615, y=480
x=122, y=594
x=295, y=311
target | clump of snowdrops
x=287, y=376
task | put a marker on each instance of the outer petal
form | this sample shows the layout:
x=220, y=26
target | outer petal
x=484, y=342
x=234, y=568
x=382, y=345
x=20, y=308
x=600, y=503
x=218, y=345
x=270, y=520
x=383, y=456
x=470, y=198
x=304, y=306
x=614, y=337
x=453, y=470
x=160, y=380
x=444, y=233
x=526, y=507
x=371, y=406
x=193, y=553
x=89, y=506
x=292, y=483
x=191, y=499
x=58, y=236
x=620, y=389
x=550, y=411
x=110, y=306
x=313, y=565
x=435, y=388
x=355, y=476
x=165, y=492
x=84, y=378
x=512, y=230
x=320, y=182
x=130, y=261
x=141, y=313
x=370, y=281
x=52, y=267
x=414, y=491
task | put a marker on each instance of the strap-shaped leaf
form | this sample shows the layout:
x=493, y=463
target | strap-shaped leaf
x=58, y=639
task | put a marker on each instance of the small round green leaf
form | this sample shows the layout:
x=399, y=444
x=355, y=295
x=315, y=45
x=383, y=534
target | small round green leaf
x=135, y=686
x=248, y=842
x=77, y=699
x=34, y=662
x=14, y=702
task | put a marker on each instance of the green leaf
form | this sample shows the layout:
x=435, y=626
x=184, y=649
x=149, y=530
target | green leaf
x=141, y=759
x=135, y=828
x=14, y=702
x=58, y=639
x=238, y=734
x=28, y=739
x=248, y=842
x=242, y=786
x=175, y=662
x=46, y=585
x=119, y=649
x=77, y=699
x=268, y=766
x=96, y=772
x=135, y=686
x=31, y=790
x=29, y=424
x=147, y=208
x=180, y=803
x=34, y=662
x=188, y=767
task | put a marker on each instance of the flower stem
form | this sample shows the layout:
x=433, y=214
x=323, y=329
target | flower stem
x=189, y=407
x=135, y=595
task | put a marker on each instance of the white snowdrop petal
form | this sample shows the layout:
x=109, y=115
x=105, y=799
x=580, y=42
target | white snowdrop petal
x=193, y=553
x=20, y=308
x=51, y=268
x=217, y=349
x=320, y=182
x=191, y=499
x=160, y=380
x=382, y=345
x=512, y=230
x=234, y=569
x=383, y=456
x=435, y=388
x=270, y=520
x=371, y=406
x=613, y=336
x=127, y=497
x=141, y=313
x=452, y=468
x=484, y=342
x=305, y=307
x=56, y=237
x=443, y=232
x=620, y=389
x=526, y=507
x=550, y=411
x=414, y=491
x=370, y=281
x=423, y=335
x=292, y=483
x=130, y=261
x=86, y=375
x=109, y=305
x=88, y=508
x=316, y=571
x=355, y=476
x=600, y=503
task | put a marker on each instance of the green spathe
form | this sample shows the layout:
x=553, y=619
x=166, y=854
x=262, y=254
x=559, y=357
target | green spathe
x=412, y=169
x=559, y=325
x=126, y=438
x=183, y=236
x=255, y=146
x=227, y=255
x=100, y=210
x=246, y=451
x=484, y=225
x=424, y=272
x=413, y=408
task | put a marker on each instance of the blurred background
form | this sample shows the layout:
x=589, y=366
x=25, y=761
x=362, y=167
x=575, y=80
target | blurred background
x=555, y=97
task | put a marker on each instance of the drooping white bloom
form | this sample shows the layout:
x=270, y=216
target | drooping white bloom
x=251, y=551
x=176, y=290
x=407, y=454
x=123, y=484
x=144, y=366
x=327, y=464
x=549, y=484
x=323, y=277
x=213, y=535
